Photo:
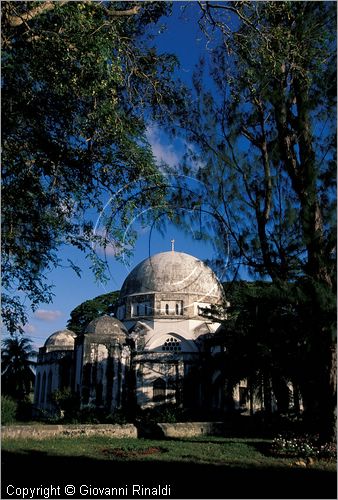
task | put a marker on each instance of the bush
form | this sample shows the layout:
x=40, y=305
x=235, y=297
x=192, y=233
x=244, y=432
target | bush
x=67, y=411
x=90, y=415
x=66, y=405
x=118, y=417
x=306, y=446
x=24, y=410
x=8, y=410
x=164, y=413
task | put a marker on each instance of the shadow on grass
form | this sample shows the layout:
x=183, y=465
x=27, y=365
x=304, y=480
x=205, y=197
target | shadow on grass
x=263, y=447
x=186, y=480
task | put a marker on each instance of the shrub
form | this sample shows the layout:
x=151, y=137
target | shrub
x=8, y=410
x=90, y=415
x=164, y=413
x=303, y=447
x=66, y=405
x=118, y=417
x=24, y=410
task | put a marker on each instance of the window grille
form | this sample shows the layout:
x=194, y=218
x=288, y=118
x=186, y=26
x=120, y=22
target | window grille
x=171, y=344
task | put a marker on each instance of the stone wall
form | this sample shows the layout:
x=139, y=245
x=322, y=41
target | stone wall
x=46, y=431
x=161, y=430
x=192, y=429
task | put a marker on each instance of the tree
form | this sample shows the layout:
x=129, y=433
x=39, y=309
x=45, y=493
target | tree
x=263, y=134
x=78, y=81
x=17, y=361
x=266, y=340
x=91, y=309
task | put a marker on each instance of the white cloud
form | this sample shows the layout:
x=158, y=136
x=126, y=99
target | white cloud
x=29, y=328
x=162, y=152
x=171, y=154
x=110, y=250
x=47, y=315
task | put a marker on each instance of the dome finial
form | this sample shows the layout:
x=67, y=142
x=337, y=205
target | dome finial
x=172, y=245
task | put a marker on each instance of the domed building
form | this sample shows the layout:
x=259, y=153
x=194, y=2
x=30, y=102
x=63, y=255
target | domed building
x=162, y=302
x=54, y=369
x=152, y=352
x=102, y=364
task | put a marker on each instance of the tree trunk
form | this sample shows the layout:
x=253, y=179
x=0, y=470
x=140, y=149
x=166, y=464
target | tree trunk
x=302, y=169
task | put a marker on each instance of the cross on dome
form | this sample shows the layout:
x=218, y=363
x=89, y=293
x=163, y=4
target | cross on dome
x=172, y=245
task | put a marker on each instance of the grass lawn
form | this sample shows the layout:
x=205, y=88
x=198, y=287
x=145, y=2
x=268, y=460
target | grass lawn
x=207, y=467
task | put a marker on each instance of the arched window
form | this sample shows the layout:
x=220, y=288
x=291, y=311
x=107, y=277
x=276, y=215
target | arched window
x=137, y=310
x=177, y=309
x=146, y=310
x=159, y=389
x=167, y=308
x=49, y=387
x=171, y=344
x=43, y=389
x=37, y=390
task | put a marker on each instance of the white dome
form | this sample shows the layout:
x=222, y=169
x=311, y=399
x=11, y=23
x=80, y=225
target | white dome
x=107, y=325
x=60, y=340
x=172, y=272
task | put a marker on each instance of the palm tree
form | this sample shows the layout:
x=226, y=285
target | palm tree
x=17, y=375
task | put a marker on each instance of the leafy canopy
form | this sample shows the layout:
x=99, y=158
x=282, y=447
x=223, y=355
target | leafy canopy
x=260, y=126
x=91, y=309
x=79, y=80
x=17, y=360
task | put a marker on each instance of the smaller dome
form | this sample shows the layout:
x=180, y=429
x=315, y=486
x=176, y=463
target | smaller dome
x=61, y=340
x=107, y=325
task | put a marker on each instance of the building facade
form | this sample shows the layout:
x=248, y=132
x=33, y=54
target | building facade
x=159, y=348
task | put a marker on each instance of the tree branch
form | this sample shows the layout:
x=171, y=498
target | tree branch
x=266, y=162
x=123, y=13
x=16, y=20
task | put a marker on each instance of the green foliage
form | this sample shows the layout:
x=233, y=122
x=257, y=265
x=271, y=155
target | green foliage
x=172, y=413
x=303, y=446
x=119, y=417
x=257, y=333
x=24, y=410
x=89, y=415
x=91, y=309
x=164, y=413
x=17, y=357
x=78, y=80
x=67, y=405
x=69, y=411
x=8, y=410
x=262, y=135
x=261, y=140
x=279, y=333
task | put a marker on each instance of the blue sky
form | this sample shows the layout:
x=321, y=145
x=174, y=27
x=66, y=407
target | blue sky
x=183, y=38
x=70, y=290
